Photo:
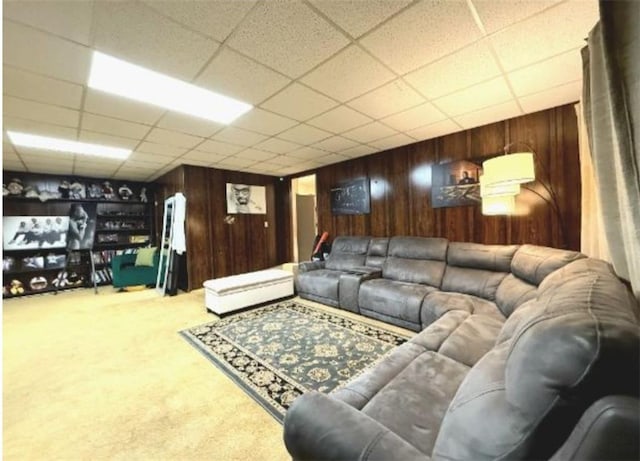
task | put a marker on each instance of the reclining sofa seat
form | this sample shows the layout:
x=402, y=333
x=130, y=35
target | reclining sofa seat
x=319, y=280
x=509, y=380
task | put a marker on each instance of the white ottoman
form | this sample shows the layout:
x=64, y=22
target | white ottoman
x=228, y=294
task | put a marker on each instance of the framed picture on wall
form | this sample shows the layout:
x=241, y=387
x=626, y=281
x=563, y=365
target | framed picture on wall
x=351, y=197
x=33, y=232
x=246, y=199
x=456, y=183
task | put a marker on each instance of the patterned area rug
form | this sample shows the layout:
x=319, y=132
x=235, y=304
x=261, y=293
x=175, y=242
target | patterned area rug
x=278, y=352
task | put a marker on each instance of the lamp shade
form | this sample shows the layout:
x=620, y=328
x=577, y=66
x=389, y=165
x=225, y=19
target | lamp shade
x=509, y=169
x=498, y=205
x=493, y=191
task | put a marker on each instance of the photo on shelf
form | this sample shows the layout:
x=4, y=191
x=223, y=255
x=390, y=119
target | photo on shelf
x=33, y=263
x=33, y=232
x=54, y=261
x=38, y=283
x=82, y=226
x=9, y=264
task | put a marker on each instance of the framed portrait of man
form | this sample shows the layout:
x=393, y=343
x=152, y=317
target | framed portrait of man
x=246, y=199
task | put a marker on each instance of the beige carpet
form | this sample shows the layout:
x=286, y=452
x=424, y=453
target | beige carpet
x=109, y=377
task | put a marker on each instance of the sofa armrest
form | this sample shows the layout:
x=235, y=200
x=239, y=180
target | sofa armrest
x=310, y=266
x=607, y=430
x=349, y=285
x=317, y=427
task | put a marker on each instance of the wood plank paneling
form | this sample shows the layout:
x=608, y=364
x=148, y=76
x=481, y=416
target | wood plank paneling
x=401, y=186
x=217, y=247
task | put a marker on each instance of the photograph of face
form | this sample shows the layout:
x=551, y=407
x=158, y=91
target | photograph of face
x=246, y=199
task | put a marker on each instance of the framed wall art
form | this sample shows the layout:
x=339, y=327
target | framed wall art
x=351, y=197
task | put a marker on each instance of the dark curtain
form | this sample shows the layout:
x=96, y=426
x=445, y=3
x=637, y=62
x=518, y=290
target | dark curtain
x=611, y=97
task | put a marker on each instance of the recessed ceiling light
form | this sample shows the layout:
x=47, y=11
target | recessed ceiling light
x=65, y=145
x=119, y=77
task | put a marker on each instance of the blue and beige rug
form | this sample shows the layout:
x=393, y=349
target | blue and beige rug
x=278, y=352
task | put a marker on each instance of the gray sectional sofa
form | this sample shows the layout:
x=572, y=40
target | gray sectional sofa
x=522, y=352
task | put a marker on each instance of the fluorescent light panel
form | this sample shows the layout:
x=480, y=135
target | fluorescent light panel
x=119, y=77
x=65, y=145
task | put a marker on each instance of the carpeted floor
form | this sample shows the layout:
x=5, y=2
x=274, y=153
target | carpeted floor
x=107, y=377
x=280, y=351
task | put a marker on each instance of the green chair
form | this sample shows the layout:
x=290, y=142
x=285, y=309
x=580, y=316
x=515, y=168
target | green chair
x=126, y=273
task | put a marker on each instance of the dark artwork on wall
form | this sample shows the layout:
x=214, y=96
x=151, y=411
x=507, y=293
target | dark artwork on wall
x=351, y=197
x=456, y=183
x=82, y=226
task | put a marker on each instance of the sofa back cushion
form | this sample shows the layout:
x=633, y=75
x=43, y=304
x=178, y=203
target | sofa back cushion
x=477, y=269
x=576, y=342
x=377, y=253
x=533, y=263
x=347, y=252
x=416, y=260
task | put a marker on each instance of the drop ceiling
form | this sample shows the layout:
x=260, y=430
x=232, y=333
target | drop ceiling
x=330, y=80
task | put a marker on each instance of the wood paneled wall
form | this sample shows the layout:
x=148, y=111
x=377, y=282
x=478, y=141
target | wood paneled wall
x=214, y=247
x=401, y=186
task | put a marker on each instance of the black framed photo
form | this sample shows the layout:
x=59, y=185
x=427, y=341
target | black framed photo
x=351, y=197
x=456, y=183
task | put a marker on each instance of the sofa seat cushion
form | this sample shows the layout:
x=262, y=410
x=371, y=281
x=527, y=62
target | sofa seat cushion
x=438, y=303
x=393, y=299
x=321, y=282
x=413, y=404
x=461, y=336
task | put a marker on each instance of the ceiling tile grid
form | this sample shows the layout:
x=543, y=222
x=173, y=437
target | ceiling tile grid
x=330, y=80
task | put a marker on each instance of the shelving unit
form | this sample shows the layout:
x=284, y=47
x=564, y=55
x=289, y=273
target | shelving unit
x=129, y=223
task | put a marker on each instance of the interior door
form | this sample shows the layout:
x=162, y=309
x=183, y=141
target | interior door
x=306, y=217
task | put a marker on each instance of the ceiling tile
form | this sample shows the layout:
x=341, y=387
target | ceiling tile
x=150, y=157
x=114, y=126
x=278, y=146
x=298, y=165
x=349, y=74
x=497, y=15
x=556, y=71
x=238, y=136
x=8, y=154
x=187, y=124
x=220, y=148
x=389, y=99
x=356, y=16
x=161, y=149
x=13, y=165
x=459, y=70
x=558, y=29
x=554, y=97
x=396, y=140
x=304, y=134
x=31, y=155
x=68, y=19
x=192, y=162
x=281, y=161
x=107, y=140
x=27, y=85
x=488, y=115
x=43, y=129
x=267, y=167
x=339, y=119
x=335, y=144
x=306, y=153
x=287, y=36
x=369, y=132
x=476, y=97
x=264, y=122
x=40, y=52
x=51, y=168
x=203, y=156
x=423, y=33
x=215, y=19
x=173, y=138
x=299, y=102
x=97, y=102
x=236, y=162
x=21, y=108
x=434, y=130
x=255, y=154
x=332, y=158
x=359, y=151
x=413, y=118
x=235, y=75
x=136, y=33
